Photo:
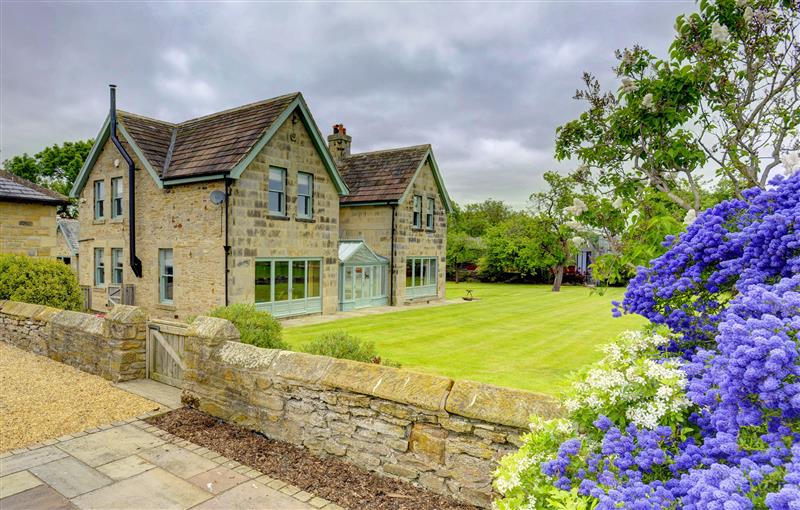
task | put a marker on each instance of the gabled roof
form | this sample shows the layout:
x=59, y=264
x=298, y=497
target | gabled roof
x=386, y=176
x=358, y=253
x=209, y=147
x=16, y=189
x=70, y=229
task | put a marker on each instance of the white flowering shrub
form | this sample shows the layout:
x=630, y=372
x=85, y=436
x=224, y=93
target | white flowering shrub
x=631, y=384
x=519, y=477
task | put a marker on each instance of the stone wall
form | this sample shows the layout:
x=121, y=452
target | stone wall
x=112, y=347
x=444, y=435
x=27, y=229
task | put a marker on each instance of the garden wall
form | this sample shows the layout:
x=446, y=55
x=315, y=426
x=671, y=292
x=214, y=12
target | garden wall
x=112, y=347
x=442, y=434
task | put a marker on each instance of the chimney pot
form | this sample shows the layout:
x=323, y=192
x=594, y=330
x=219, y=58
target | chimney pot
x=339, y=142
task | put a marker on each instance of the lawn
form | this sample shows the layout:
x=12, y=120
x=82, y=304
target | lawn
x=524, y=336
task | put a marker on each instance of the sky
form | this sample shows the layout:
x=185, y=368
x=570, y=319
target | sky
x=486, y=84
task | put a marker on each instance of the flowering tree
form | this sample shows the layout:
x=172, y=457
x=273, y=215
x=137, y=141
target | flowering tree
x=705, y=415
x=726, y=95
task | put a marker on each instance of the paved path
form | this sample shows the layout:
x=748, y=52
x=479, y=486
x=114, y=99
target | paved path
x=362, y=312
x=133, y=465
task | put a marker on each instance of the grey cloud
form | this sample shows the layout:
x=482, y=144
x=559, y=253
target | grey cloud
x=486, y=84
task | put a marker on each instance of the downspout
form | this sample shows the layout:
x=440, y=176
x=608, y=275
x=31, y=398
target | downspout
x=135, y=263
x=391, y=263
x=227, y=246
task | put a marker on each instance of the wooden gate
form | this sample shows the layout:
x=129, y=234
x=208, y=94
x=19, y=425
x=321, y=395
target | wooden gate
x=165, y=352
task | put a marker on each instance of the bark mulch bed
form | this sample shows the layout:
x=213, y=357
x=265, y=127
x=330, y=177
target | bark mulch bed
x=330, y=478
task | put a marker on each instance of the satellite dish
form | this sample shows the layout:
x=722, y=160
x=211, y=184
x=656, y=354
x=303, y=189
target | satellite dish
x=217, y=197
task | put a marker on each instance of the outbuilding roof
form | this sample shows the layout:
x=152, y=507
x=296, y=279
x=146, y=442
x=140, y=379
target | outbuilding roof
x=70, y=229
x=16, y=189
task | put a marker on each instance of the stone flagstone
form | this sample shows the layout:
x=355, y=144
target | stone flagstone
x=125, y=467
x=153, y=489
x=253, y=495
x=70, y=477
x=38, y=498
x=27, y=460
x=218, y=479
x=110, y=444
x=17, y=482
x=177, y=460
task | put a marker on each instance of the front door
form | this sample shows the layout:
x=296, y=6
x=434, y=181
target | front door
x=363, y=286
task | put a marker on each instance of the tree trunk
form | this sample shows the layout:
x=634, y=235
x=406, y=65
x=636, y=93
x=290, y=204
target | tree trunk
x=456, y=273
x=559, y=276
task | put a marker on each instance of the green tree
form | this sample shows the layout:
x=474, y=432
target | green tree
x=55, y=167
x=726, y=96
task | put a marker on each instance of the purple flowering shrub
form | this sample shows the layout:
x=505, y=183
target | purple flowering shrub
x=728, y=289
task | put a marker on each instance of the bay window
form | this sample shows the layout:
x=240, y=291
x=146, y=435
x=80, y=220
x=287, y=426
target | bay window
x=421, y=277
x=288, y=286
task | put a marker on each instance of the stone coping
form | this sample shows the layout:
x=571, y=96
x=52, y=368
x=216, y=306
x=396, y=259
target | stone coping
x=470, y=399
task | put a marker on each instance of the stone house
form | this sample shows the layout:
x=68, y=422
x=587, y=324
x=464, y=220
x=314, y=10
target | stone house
x=27, y=217
x=244, y=206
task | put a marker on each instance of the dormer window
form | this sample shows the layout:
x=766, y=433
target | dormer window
x=417, y=211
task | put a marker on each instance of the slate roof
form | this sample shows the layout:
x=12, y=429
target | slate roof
x=16, y=189
x=207, y=145
x=380, y=176
x=70, y=230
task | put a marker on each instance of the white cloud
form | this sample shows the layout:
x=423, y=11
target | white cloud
x=179, y=81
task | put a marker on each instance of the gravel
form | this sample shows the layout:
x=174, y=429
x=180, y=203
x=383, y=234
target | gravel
x=330, y=478
x=43, y=399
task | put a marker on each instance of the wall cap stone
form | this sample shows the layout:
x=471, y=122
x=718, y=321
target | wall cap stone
x=245, y=355
x=422, y=390
x=127, y=314
x=29, y=310
x=82, y=321
x=299, y=366
x=213, y=329
x=496, y=404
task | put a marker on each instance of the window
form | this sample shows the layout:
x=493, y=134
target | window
x=305, y=195
x=116, y=198
x=99, y=268
x=417, y=211
x=421, y=276
x=277, y=191
x=166, y=272
x=116, y=266
x=429, y=213
x=99, y=199
x=288, y=287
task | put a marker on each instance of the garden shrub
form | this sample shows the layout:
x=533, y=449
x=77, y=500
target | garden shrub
x=341, y=344
x=40, y=281
x=255, y=327
x=728, y=290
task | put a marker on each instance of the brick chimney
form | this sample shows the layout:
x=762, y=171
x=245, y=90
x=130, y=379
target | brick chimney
x=339, y=142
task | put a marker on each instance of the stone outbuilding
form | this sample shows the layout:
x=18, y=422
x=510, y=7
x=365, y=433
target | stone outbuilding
x=248, y=206
x=67, y=248
x=27, y=216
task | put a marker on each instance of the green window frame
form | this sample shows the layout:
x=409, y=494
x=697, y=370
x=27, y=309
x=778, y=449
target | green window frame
x=417, y=219
x=276, y=191
x=116, y=197
x=116, y=266
x=429, y=213
x=422, y=276
x=166, y=276
x=99, y=199
x=99, y=268
x=291, y=279
x=305, y=195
